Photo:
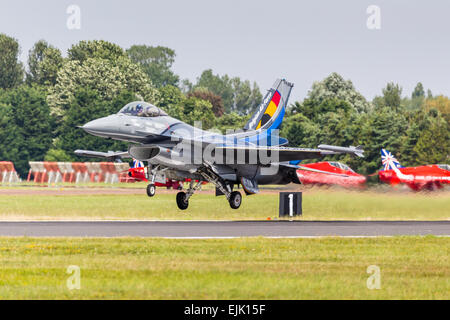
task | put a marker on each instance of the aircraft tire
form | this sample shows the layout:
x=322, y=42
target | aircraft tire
x=235, y=200
x=151, y=190
x=181, y=203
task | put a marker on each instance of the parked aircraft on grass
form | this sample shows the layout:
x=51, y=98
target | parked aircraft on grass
x=250, y=157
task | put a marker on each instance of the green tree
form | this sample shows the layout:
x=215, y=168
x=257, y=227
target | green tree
x=300, y=131
x=392, y=97
x=186, y=86
x=417, y=98
x=11, y=70
x=246, y=99
x=95, y=49
x=334, y=87
x=26, y=131
x=433, y=146
x=231, y=121
x=44, y=62
x=218, y=85
x=312, y=109
x=237, y=95
x=440, y=103
x=171, y=101
x=215, y=100
x=409, y=154
x=418, y=92
x=198, y=110
x=156, y=63
x=383, y=128
x=107, y=72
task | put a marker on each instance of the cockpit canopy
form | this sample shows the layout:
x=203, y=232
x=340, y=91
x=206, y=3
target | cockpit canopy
x=444, y=166
x=340, y=166
x=142, y=109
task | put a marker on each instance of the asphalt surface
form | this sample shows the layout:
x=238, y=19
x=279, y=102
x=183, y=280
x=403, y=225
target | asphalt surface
x=219, y=229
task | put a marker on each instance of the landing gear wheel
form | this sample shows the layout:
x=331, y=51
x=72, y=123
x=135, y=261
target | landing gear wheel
x=151, y=190
x=181, y=201
x=235, y=200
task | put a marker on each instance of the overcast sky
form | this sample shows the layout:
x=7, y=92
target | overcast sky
x=261, y=40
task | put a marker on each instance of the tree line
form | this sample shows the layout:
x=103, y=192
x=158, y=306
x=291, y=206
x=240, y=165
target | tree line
x=43, y=102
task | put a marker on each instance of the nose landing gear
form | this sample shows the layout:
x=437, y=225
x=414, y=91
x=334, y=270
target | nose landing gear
x=151, y=190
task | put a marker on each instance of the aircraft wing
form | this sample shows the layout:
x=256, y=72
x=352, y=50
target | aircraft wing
x=107, y=155
x=283, y=154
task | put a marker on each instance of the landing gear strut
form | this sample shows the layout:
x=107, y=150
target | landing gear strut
x=183, y=197
x=151, y=188
x=233, y=197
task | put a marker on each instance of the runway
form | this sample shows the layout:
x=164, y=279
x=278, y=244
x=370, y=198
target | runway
x=223, y=229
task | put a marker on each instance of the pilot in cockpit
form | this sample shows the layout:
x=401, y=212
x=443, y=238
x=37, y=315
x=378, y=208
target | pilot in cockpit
x=139, y=110
x=142, y=109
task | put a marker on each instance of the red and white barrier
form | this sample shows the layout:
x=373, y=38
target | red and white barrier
x=77, y=172
x=37, y=170
x=8, y=173
x=66, y=171
x=110, y=173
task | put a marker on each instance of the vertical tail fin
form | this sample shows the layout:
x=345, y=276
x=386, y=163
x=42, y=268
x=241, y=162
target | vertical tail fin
x=137, y=164
x=270, y=112
x=389, y=161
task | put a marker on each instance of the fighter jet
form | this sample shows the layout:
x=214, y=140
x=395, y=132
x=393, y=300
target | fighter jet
x=250, y=157
x=427, y=177
x=349, y=178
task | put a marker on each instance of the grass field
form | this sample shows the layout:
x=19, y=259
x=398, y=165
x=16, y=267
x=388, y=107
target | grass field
x=249, y=268
x=317, y=205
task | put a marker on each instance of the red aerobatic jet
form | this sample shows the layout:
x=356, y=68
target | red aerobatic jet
x=427, y=177
x=343, y=175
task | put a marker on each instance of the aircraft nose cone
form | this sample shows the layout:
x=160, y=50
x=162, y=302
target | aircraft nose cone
x=95, y=125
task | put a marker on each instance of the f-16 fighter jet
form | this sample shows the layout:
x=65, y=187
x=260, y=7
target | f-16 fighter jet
x=250, y=157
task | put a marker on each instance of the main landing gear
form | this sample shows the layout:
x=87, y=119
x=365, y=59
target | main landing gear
x=235, y=200
x=234, y=197
x=183, y=197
